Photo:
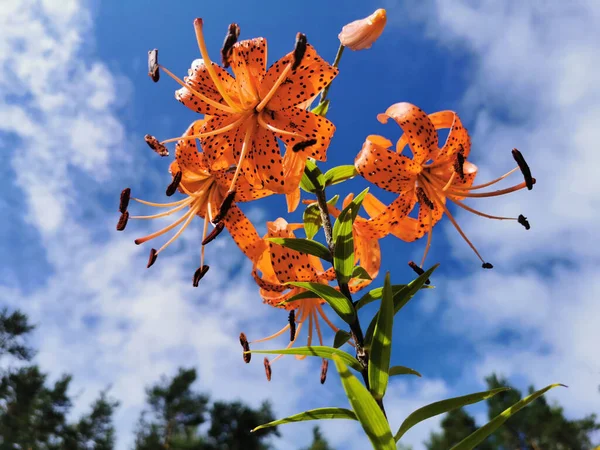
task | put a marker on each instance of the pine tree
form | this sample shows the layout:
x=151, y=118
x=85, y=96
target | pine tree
x=318, y=442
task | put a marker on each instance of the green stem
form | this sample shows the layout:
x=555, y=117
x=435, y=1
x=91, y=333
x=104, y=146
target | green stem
x=361, y=354
x=336, y=63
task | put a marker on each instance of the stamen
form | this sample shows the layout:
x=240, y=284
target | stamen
x=199, y=274
x=529, y=180
x=124, y=200
x=122, y=223
x=192, y=212
x=479, y=213
x=490, y=194
x=153, y=71
x=324, y=367
x=292, y=321
x=246, y=347
x=273, y=90
x=224, y=208
x=155, y=145
x=302, y=145
x=214, y=233
x=204, y=230
x=160, y=205
x=318, y=326
x=164, y=230
x=182, y=205
x=460, y=231
x=327, y=321
x=481, y=186
x=152, y=257
x=310, y=329
x=172, y=188
x=267, y=126
x=419, y=271
x=423, y=199
x=268, y=370
x=429, y=234
x=224, y=129
x=233, y=32
x=299, y=50
x=208, y=63
x=523, y=221
x=278, y=357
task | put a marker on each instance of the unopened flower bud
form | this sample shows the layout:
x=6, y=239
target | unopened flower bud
x=361, y=34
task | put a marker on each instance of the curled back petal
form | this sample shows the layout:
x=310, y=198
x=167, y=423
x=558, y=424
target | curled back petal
x=200, y=81
x=313, y=74
x=405, y=229
x=385, y=168
x=458, y=138
x=243, y=233
x=419, y=132
x=381, y=225
x=191, y=161
x=249, y=65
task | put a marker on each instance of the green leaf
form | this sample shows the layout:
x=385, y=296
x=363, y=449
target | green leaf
x=479, y=435
x=307, y=185
x=442, y=407
x=301, y=296
x=312, y=414
x=357, y=202
x=375, y=294
x=366, y=409
x=381, y=345
x=401, y=298
x=312, y=217
x=338, y=301
x=401, y=370
x=303, y=246
x=340, y=338
x=360, y=273
x=343, y=241
x=339, y=174
x=321, y=351
x=321, y=109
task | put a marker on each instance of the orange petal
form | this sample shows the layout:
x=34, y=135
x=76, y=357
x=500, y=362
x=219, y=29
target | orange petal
x=306, y=124
x=267, y=158
x=249, y=64
x=457, y=137
x=420, y=134
x=293, y=200
x=219, y=148
x=244, y=191
x=243, y=233
x=405, y=229
x=381, y=225
x=200, y=81
x=384, y=168
x=470, y=172
x=293, y=168
x=186, y=152
x=301, y=84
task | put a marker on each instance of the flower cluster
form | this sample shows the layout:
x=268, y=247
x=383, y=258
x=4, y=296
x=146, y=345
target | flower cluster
x=255, y=138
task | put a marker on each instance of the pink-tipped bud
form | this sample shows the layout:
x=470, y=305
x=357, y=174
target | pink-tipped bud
x=361, y=34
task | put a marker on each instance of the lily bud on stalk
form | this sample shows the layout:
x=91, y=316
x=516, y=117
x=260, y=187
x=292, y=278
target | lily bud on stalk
x=360, y=34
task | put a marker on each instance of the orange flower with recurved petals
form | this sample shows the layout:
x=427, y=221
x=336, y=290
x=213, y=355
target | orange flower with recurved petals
x=430, y=177
x=251, y=111
x=205, y=191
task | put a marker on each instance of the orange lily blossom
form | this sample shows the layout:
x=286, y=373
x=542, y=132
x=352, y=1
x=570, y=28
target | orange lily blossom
x=279, y=265
x=250, y=111
x=205, y=191
x=433, y=175
x=367, y=252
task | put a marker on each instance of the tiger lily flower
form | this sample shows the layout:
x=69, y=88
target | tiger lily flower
x=429, y=178
x=251, y=110
x=205, y=191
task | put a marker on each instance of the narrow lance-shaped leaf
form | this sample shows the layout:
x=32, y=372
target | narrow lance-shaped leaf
x=401, y=370
x=366, y=409
x=401, y=298
x=304, y=246
x=321, y=109
x=312, y=217
x=479, y=435
x=381, y=345
x=338, y=301
x=321, y=351
x=312, y=414
x=339, y=174
x=340, y=338
x=360, y=273
x=311, y=174
x=442, y=407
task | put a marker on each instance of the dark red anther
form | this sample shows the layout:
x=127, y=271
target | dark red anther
x=423, y=199
x=304, y=144
x=214, y=233
x=413, y=265
x=124, y=201
x=299, y=50
x=152, y=257
x=292, y=321
x=224, y=208
x=199, y=274
x=523, y=221
x=246, y=347
x=153, y=69
x=268, y=371
x=155, y=145
x=324, y=367
x=529, y=180
x=172, y=188
x=122, y=223
x=459, y=164
x=233, y=32
x=487, y=265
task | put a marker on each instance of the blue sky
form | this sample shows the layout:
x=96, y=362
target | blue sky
x=75, y=102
